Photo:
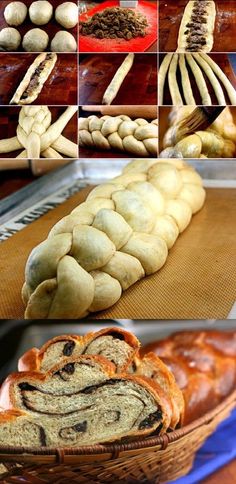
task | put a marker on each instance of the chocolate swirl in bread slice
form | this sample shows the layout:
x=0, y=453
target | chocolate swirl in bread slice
x=197, y=27
x=115, y=344
x=81, y=403
x=34, y=79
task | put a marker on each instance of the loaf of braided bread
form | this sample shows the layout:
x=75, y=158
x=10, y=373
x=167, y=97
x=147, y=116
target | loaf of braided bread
x=121, y=233
x=121, y=133
x=204, y=366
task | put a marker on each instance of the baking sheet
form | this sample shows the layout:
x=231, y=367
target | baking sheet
x=198, y=280
x=140, y=44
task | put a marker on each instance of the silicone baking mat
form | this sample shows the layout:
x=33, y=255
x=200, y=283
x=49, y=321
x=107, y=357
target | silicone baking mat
x=198, y=280
x=140, y=44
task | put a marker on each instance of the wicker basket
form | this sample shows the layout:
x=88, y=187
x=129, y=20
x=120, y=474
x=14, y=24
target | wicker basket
x=153, y=460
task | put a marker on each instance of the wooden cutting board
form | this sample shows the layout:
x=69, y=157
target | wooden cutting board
x=9, y=120
x=198, y=280
x=61, y=86
x=140, y=44
x=223, y=62
x=97, y=71
x=170, y=16
x=51, y=28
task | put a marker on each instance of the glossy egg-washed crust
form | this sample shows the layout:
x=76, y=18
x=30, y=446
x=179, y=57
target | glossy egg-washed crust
x=204, y=366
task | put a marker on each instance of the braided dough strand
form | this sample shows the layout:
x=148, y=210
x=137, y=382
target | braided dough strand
x=162, y=77
x=121, y=233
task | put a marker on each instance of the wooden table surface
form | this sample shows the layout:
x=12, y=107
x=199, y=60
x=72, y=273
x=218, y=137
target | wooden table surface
x=97, y=70
x=51, y=28
x=59, y=89
x=9, y=120
x=170, y=16
x=225, y=475
x=223, y=62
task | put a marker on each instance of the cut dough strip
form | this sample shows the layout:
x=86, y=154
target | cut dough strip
x=225, y=81
x=162, y=77
x=199, y=78
x=173, y=84
x=34, y=79
x=118, y=79
x=187, y=88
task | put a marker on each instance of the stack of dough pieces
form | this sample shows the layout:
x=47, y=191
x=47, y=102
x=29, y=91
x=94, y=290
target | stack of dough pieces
x=84, y=398
x=121, y=233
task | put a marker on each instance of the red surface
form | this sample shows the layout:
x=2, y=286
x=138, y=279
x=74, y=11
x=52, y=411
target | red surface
x=140, y=44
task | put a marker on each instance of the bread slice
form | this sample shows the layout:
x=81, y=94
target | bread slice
x=115, y=344
x=81, y=401
x=152, y=367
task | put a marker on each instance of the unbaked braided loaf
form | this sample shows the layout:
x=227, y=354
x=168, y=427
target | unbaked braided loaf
x=81, y=401
x=138, y=137
x=204, y=366
x=38, y=136
x=120, y=234
x=218, y=141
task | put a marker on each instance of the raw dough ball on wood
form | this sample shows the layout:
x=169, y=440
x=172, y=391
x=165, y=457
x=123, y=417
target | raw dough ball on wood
x=35, y=40
x=15, y=13
x=66, y=15
x=10, y=39
x=40, y=12
x=63, y=42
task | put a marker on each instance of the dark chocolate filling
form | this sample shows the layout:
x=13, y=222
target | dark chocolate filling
x=150, y=420
x=68, y=348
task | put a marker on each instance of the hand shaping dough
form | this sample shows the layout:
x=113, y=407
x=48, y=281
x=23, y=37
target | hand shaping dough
x=15, y=13
x=34, y=79
x=40, y=12
x=10, y=39
x=66, y=15
x=35, y=40
x=63, y=42
x=123, y=230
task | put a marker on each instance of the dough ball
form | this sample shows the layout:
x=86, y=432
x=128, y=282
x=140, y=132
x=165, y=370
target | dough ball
x=35, y=40
x=40, y=12
x=63, y=42
x=66, y=15
x=15, y=13
x=10, y=39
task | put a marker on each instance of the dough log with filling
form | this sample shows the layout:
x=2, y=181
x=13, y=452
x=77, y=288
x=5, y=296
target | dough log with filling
x=196, y=33
x=34, y=79
x=121, y=233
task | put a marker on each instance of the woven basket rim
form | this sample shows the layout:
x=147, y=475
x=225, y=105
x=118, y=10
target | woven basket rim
x=162, y=440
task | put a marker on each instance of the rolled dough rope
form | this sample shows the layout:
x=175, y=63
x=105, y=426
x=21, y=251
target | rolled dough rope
x=56, y=128
x=23, y=154
x=173, y=85
x=200, y=81
x=66, y=147
x=10, y=144
x=209, y=27
x=123, y=230
x=162, y=77
x=117, y=80
x=186, y=84
x=38, y=73
x=212, y=78
x=51, y=153
x=221, y=75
